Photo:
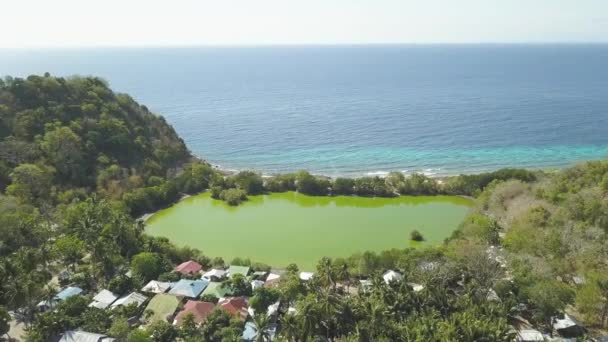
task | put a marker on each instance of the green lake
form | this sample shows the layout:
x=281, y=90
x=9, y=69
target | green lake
x=282, y=228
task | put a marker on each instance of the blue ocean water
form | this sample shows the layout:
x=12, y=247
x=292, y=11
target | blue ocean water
x=356, y=110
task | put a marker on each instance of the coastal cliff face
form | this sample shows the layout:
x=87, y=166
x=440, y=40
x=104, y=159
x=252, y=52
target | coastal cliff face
x=77, y=133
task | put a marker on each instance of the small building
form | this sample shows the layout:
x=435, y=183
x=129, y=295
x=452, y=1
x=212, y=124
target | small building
x=132, y=298
x=189, y=288
x=259, y=275
x=155, y=286
x=306, y=276
x=236, y=306
x=188, y=267
x=162, y=306
x=64, y=294
x=272, y=280
x=529, y=335
x=243, y=270
x=250, y=332
x=214, y=274
x=568, y=327
x=103, y=299
x=200, y=311
x=391, y=276
x=256, y=284
x=217, y=290
x=68, y=292
x=83, y=336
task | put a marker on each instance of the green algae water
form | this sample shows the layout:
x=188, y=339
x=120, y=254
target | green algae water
x=283, y=228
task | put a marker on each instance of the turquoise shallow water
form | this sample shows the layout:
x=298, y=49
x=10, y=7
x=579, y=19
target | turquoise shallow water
x=363, y=109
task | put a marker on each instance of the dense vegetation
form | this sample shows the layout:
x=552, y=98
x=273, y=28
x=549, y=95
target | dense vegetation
x=77, y=162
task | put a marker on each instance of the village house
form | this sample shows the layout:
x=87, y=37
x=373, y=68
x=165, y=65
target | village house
x=83, y=336
x=199, y=310
x=103, y=299
x=188, y=268
x=189, y=288
x=132, y=298
x=236, y=306
x=154, y=286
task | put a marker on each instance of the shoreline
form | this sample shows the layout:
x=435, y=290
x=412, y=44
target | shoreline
x=381, y=174
x=440, y=179
x=434, y=173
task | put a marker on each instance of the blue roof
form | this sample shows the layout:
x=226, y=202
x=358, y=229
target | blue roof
x=68, y=292
x=250, y=332
x=189, y=288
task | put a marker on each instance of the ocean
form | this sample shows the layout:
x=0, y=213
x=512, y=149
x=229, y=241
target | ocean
x=362, y=110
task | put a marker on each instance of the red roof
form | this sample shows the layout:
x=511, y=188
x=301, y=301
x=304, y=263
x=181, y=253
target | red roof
x=200, y=311
x=188, y=267
x=237, y=306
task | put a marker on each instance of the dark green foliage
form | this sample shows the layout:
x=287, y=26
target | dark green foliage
x=233, y=196
x=415, y=235
x=311, y=185
x=239, y=285
x=122, y=285
x=250, y=182
x=5, y=318
x=372, y=186
x=221, y=326
x=343, y=186
x=78, y=125
x=262, y=298
x=148, y=266
x=281, y=183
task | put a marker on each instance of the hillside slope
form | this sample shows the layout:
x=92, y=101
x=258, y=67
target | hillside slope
x=82, y=134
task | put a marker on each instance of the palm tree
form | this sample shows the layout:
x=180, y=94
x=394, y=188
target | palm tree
x=309, y=315
x=326, y=272
x=329, y=304
x=343, y=274
x=290, y=329
x=261, y=323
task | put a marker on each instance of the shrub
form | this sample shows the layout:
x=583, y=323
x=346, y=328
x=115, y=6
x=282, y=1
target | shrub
x=415, y=235
x=233, y=196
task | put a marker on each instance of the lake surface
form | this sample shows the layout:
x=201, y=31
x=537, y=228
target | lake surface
x=282, y=228
x=355, y=110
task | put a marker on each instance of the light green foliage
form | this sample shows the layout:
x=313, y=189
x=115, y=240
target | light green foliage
x=138, y=335
x=592, y=299
x=30, y=183
x=69, y=248
x=550, y=298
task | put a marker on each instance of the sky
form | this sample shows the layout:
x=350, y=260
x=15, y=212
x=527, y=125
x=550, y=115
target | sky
x=76, y=23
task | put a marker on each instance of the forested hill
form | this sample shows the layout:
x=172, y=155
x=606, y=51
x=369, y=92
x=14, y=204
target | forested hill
x=80, y=134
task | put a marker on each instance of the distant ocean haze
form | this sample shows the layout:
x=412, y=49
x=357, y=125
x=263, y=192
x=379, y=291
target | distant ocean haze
x=356, y=110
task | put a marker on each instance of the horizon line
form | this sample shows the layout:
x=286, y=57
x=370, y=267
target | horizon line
x=295, y=45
